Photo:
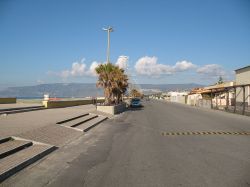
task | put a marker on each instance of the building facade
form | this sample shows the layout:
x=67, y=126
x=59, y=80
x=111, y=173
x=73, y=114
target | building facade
x=178, y=97
x=243, y=78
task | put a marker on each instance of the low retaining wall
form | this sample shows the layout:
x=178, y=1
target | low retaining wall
x=204, y=103
x=116, y=109
x=179, y=99
x=69, y=103
x=9, y=100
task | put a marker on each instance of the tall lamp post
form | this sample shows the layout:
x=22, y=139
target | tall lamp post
x=109, y=29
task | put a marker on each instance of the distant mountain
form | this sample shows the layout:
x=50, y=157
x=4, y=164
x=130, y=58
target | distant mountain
x=54, y=90
x=82, y=89
x=170, y=87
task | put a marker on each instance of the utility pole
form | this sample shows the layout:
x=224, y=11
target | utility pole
x=109, y=29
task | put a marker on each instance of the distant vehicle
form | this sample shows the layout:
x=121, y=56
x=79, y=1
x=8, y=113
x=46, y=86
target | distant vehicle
x=135, y=102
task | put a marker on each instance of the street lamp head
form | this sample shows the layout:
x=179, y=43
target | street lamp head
x=110, y=29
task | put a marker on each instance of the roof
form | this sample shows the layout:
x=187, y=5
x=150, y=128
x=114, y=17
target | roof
x=227, y=88
x=217, y=88
x=222, y=85
x=242, y=68
x=199, y=91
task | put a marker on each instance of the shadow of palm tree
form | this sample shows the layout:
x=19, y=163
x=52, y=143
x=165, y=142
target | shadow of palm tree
x=135, y=108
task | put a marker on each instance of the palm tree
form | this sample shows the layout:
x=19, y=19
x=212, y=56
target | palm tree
x=113, y=80
x=104, y=77
x=120, y=84
x=220, y=81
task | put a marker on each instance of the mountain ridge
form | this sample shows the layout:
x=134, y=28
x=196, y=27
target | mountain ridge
x=83, y=89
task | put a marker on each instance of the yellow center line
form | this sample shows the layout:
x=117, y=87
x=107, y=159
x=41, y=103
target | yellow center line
x=203, y=133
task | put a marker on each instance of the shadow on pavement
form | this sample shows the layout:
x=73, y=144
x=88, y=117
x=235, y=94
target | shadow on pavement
x=135, y=108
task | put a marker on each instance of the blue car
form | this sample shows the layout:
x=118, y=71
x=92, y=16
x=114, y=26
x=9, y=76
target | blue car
x=135, y=102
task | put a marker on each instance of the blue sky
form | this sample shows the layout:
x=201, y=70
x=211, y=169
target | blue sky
x=166, y=41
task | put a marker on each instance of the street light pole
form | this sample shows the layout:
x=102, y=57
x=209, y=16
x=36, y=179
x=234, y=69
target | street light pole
x=109, y=29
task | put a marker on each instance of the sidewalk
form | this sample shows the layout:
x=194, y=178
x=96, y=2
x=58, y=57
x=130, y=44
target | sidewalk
x=18, y=105
x=27, y=137
x=15, y=124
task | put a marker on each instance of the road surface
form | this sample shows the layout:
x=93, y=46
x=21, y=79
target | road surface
x=134, y=150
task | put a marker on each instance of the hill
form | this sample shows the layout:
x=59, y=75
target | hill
x=81, y=89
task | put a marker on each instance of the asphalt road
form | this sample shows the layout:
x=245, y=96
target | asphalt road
x=130, y=150
x=133, y=151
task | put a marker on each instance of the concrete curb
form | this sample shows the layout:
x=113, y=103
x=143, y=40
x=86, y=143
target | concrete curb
x=20, y=157
x=84, y=121
x=21, y=110
x=95, y=124
x=15, y=149
x=25, y=163
x=2, y=140
x=71, y=119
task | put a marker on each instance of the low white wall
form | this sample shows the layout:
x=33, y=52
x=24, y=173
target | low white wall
x=178, y=99
x=193, y=99
x=204, y=103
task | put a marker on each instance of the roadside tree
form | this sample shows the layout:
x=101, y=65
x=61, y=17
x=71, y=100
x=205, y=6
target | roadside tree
x=114, y=82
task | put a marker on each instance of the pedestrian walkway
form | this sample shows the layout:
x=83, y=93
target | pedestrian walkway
x=17, y=153
x=15, y=124
x=27, y=137
x=83, y=122
x=52, y=134
x=18, y=105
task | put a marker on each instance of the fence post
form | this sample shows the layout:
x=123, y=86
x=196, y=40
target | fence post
x=234, y=99
x=216, y=100
x=211, y=99
x=244, y=100
x=227, y=101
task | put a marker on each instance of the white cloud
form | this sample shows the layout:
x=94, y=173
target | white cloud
x=149, y=66
x=39, y=81
x=92, y=68
x=78, y=69
x=184, y=65
x=211, y=70
x=122, y=62
x=64, y=74
x=144, y=66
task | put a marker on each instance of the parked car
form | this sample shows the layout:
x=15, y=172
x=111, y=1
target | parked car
x=135, y=102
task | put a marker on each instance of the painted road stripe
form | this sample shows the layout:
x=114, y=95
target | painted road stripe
x=203, y=133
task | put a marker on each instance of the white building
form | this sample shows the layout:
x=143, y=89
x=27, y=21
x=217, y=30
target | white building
x=193, y=99
x=221, y=92
x=243, y=78
x=178, y=97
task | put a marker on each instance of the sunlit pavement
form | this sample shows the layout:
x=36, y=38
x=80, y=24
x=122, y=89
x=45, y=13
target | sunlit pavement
x=151, y=146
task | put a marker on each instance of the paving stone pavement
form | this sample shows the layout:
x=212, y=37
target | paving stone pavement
x=38, y=133
x=52, y=134
x=18, y=105
x=15, y=124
